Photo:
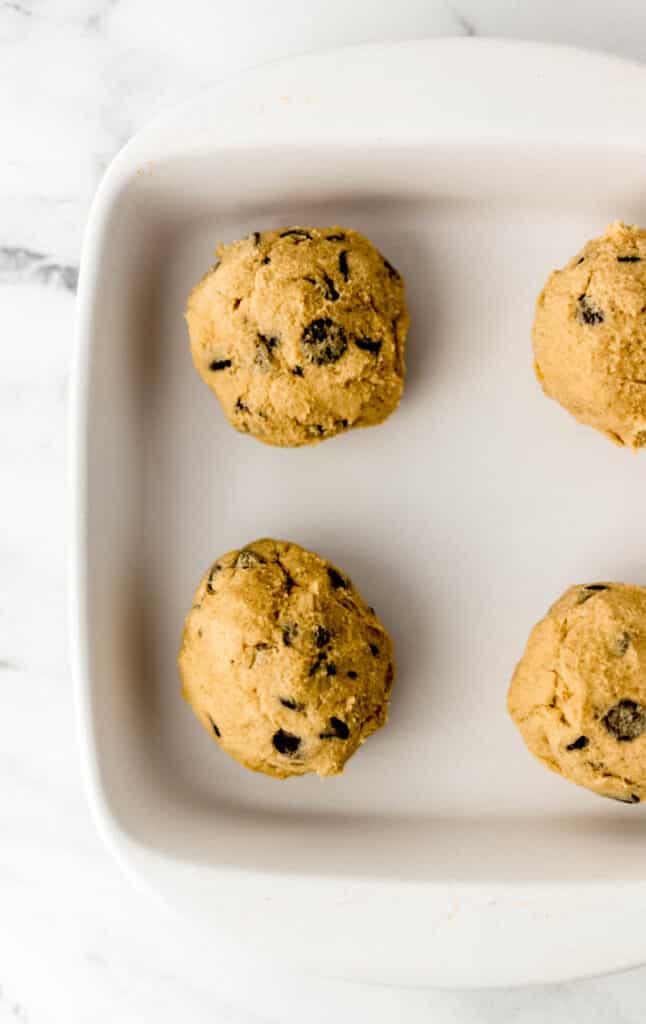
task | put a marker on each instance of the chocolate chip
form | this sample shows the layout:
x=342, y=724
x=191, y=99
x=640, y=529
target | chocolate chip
x=368, y=345
x=262, y=647
x=344, y=423
x=298, y=371
x=578, y=744
x=323, y=341
x=213, y=573
x=626, y=720
x=236, y=303
x=298, y=234
x=262, y=359
x=290, y=632
x=331, y=294
x=285, y=742
x=330, y=669
x=391, y=270
x=220, y=364
x=339, y=729
x=290, y=582
x=336, y=238
x=352, y=674
x=621, y=645
x=248, y=559
x=215, y=728
x=266, y=259
x=629, y=259
x=344, y=269
x=321, y=636
x=587, y=312
x=632, y=799
x=590, y=590
x=270, y=342
x=315, y=666
x=374, y=650
x=580, y=260
x=256, y=238
x=240, y=406
x=293, y=705
x=264, y=348
x=336, y=579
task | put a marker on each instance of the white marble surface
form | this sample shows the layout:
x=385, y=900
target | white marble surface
x=77, y=78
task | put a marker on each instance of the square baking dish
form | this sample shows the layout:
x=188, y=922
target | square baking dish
x=444, y=854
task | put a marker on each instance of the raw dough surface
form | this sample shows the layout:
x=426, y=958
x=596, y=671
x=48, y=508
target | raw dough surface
x=590, y=335
x=300, y=333
x=578, y=695
x=283, y=662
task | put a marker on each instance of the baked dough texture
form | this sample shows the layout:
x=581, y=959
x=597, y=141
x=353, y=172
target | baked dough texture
x=300, y=333
x=578, y=694
x=283, y=662
x=590, y=335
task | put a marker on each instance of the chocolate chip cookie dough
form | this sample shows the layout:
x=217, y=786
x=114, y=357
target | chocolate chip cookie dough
x=578, y=695
x=300, y=333
x=590, y=335
x=283, y=662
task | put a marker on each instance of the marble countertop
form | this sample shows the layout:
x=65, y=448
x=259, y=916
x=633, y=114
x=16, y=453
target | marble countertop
x=77, y=78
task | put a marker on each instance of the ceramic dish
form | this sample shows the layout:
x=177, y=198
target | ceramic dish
x=445, y=854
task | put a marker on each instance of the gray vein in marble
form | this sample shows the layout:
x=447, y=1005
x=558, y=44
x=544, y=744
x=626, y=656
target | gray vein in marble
x=467, y=26
x=96, y=21
x=14, y=1009
x=19, y=8
x=19, y=264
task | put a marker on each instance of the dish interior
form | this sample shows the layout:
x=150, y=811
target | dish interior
x=460, y=519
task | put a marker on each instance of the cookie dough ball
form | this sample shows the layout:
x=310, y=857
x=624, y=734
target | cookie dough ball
x=590, y=335
x=283, y=662
x=578, y=695
x=300, y=333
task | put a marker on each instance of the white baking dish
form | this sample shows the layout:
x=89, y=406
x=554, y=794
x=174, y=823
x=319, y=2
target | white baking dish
x=445, y=854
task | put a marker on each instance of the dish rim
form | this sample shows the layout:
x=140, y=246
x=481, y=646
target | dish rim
x=174, y=132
